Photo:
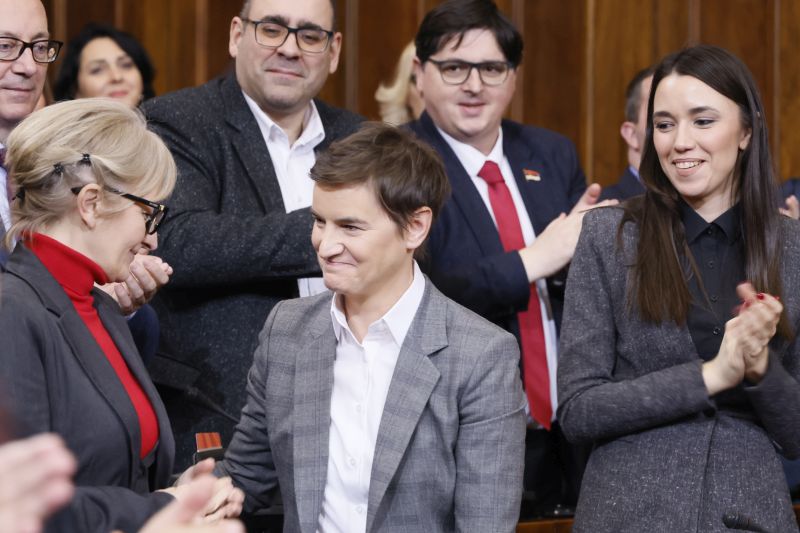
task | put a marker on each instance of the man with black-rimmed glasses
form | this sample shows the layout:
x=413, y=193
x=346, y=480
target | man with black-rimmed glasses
x=25, y=52
x=239, y=223
x=510, y=227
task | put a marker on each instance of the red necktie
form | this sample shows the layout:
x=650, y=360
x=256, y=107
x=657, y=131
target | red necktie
x=534, y=354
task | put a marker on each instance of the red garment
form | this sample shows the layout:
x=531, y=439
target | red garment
x=535, y=376
x=77, y=274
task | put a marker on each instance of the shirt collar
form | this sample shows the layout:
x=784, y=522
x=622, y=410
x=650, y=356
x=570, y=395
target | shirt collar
x=470, y=157
x=313, y=132
x=397, y=319
x=694, y=225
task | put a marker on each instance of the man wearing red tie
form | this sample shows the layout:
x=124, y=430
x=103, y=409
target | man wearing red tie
x=503, y=239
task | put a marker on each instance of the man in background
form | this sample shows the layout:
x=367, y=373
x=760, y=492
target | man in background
x=239, y=225
x=512, y=223
x=633, y=131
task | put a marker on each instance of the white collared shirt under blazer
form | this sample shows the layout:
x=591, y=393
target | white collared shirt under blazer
x=362, y=373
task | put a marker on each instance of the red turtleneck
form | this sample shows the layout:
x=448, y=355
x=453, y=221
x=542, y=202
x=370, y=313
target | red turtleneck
x=77, y=274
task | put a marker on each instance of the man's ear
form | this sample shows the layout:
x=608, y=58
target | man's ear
x=236, y=32
x=89, y=205
x=335, y=50
x=416, y=68
x=418, y=227
x=628, y=132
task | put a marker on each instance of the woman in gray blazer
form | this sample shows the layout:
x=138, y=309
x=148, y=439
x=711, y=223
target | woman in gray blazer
x=684, y=376
x=86, y=174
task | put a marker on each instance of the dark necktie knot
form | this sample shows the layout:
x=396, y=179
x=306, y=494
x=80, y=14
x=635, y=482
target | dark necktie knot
x=490, y=173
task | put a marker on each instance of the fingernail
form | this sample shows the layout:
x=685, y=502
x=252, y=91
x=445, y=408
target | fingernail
x=760, y=295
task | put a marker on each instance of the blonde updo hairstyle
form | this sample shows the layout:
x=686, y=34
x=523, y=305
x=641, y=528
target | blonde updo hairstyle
x=123, y=155
x=393, y=99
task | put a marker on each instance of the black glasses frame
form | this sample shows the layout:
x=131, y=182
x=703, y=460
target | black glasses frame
x=476, y=66
x=25, y=45
x=154, y=218
x=289, y=31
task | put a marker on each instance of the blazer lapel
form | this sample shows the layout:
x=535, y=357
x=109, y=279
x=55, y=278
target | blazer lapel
x=464, y=193
x=313, y=387
x=537, y=195
x=413, y=381
x=120, y=333
x=250, y=146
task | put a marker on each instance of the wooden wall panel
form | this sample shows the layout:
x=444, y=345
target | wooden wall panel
x=579, y=55
x=617, y=56
x=788, y=99
x=554, y=62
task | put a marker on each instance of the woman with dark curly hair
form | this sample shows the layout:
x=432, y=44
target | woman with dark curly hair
x=104, y=61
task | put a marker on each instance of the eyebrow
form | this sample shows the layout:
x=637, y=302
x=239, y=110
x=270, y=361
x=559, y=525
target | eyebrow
x=280, y=19
x=123, y=55
x=702, y=109
x=37, y=37
x=349, y=221
x=693, y=111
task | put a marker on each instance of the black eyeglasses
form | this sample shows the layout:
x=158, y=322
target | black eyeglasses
x=456, y=72
x=274, y=34
x=154, y=218
x=43, y=51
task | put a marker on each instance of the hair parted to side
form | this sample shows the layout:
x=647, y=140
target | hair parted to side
x=453, y=18
x=658, y=287
x=405, y=173
x=633, y=94
x=66, y=84
x=393, y=99
x=124, y=155
x=244, y=13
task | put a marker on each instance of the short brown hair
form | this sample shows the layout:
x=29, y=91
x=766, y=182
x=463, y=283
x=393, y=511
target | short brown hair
x=404, y=172
x=245, y=12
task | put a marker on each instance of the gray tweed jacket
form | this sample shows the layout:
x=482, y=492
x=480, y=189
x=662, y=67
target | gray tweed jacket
x=235, y=251
x=449, y=450
x=665, y=458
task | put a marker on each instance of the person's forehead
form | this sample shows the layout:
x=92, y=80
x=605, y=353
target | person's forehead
x=294, y=11
x=23, y=19
x=474, y=45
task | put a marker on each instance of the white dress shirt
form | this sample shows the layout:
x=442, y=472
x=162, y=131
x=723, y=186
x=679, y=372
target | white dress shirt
x=5, y=208
x=473, y=160
x=362, y=373
x=292, y=164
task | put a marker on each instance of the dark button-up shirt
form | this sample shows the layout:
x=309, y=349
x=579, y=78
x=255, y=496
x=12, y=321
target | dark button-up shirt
x=718, y=251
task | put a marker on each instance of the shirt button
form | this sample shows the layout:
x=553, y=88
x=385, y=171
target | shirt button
x=716, y=331
x=711, y=264
x=351, y=461
x=710, y=231
x=713, y=298
x=360, y=509
x=358, y=408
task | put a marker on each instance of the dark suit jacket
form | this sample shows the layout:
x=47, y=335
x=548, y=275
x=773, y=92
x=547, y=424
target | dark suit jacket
x=666, y=458
x=56, y=378
x=627, y=186
x=465, y=258
x=448, y=455
x=235, y=250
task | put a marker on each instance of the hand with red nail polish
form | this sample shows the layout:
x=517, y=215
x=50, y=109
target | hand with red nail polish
x=744, y=350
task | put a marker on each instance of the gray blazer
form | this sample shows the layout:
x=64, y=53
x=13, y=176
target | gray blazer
x=235, y=250
x=665, y=458
x=449, y=451
x=56, y=378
